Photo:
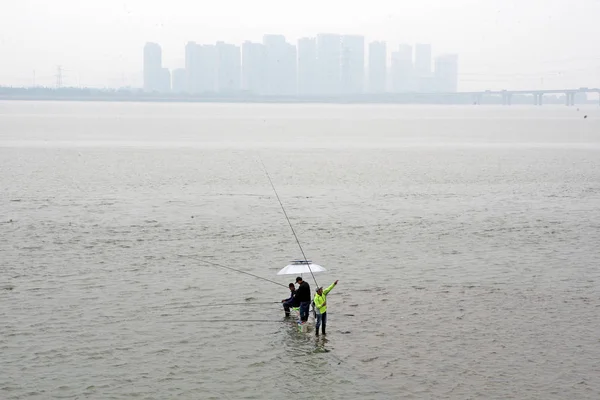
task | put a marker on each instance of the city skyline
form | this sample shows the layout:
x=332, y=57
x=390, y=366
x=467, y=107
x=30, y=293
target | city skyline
x=503, y=44
x=394, y=59
x=325, y=64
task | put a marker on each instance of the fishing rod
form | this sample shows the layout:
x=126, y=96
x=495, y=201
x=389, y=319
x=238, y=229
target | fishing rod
x=232, y=269
x=288, y=220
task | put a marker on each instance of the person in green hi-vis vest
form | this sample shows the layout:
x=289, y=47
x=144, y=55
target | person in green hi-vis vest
x=321, y=306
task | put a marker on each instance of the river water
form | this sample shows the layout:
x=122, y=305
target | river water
x=465, y=240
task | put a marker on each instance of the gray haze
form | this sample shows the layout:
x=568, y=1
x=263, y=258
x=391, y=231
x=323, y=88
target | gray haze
x=501, y=43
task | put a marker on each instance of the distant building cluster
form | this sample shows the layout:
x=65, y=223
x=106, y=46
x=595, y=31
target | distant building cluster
x=327, y=65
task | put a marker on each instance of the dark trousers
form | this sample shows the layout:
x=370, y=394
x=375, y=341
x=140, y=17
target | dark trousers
x=286, y=306
x=304, y=307
x=321, y=318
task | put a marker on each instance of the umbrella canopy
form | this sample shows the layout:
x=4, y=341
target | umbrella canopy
x=301, y=267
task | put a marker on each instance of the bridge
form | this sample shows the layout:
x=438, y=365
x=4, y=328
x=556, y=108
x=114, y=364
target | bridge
x=537, y=95
x=474, y=97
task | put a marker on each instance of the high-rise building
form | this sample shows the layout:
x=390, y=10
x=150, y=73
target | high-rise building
x=208, y=68
x=401, y=71
x=179, y=80
x=352, y=64
x=291, y=70
x=377, y=67
x=229, y=65
x=423, y=60
x=254, y=60
x=329, y=63
x=425, y=81
x=446, y=73
x=280, y=66
x=192, y=67
x=164, y=81
x=201, y=68
x=307, y=66
x=152, y=67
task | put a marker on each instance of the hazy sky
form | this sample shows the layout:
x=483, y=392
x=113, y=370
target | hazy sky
x=501, y=43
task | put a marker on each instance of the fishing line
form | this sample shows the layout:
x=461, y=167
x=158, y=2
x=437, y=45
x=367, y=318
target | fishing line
x=339, y=360
x=226, y=320
x=288, y=220
x=242, y=304
x=232, y=269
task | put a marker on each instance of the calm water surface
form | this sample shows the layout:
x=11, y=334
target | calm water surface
x=466, y=242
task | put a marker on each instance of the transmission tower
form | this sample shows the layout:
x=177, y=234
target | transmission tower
x=59, y=77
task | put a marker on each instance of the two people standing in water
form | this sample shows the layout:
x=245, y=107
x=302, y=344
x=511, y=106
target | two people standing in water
x=301, y=298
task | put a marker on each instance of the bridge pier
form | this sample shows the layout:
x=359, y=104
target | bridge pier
x=537, y=95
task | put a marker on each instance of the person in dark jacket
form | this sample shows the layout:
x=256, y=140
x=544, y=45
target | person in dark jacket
x=289, y=302
x=303, y=298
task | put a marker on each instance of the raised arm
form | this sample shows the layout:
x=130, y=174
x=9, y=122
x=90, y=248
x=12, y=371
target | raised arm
x=330, y=287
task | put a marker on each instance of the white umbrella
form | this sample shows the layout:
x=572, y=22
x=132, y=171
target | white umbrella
x=301, y=267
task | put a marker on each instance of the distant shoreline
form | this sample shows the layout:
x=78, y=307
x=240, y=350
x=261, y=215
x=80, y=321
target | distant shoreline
x=400, y=100
x=139, y=96
x=219, y=100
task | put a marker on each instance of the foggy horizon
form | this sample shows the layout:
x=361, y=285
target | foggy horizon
x=500, y=44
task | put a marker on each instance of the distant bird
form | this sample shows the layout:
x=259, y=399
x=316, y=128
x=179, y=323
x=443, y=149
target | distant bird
x=585, y=116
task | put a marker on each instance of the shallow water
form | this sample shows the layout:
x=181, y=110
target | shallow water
x=465, y=240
